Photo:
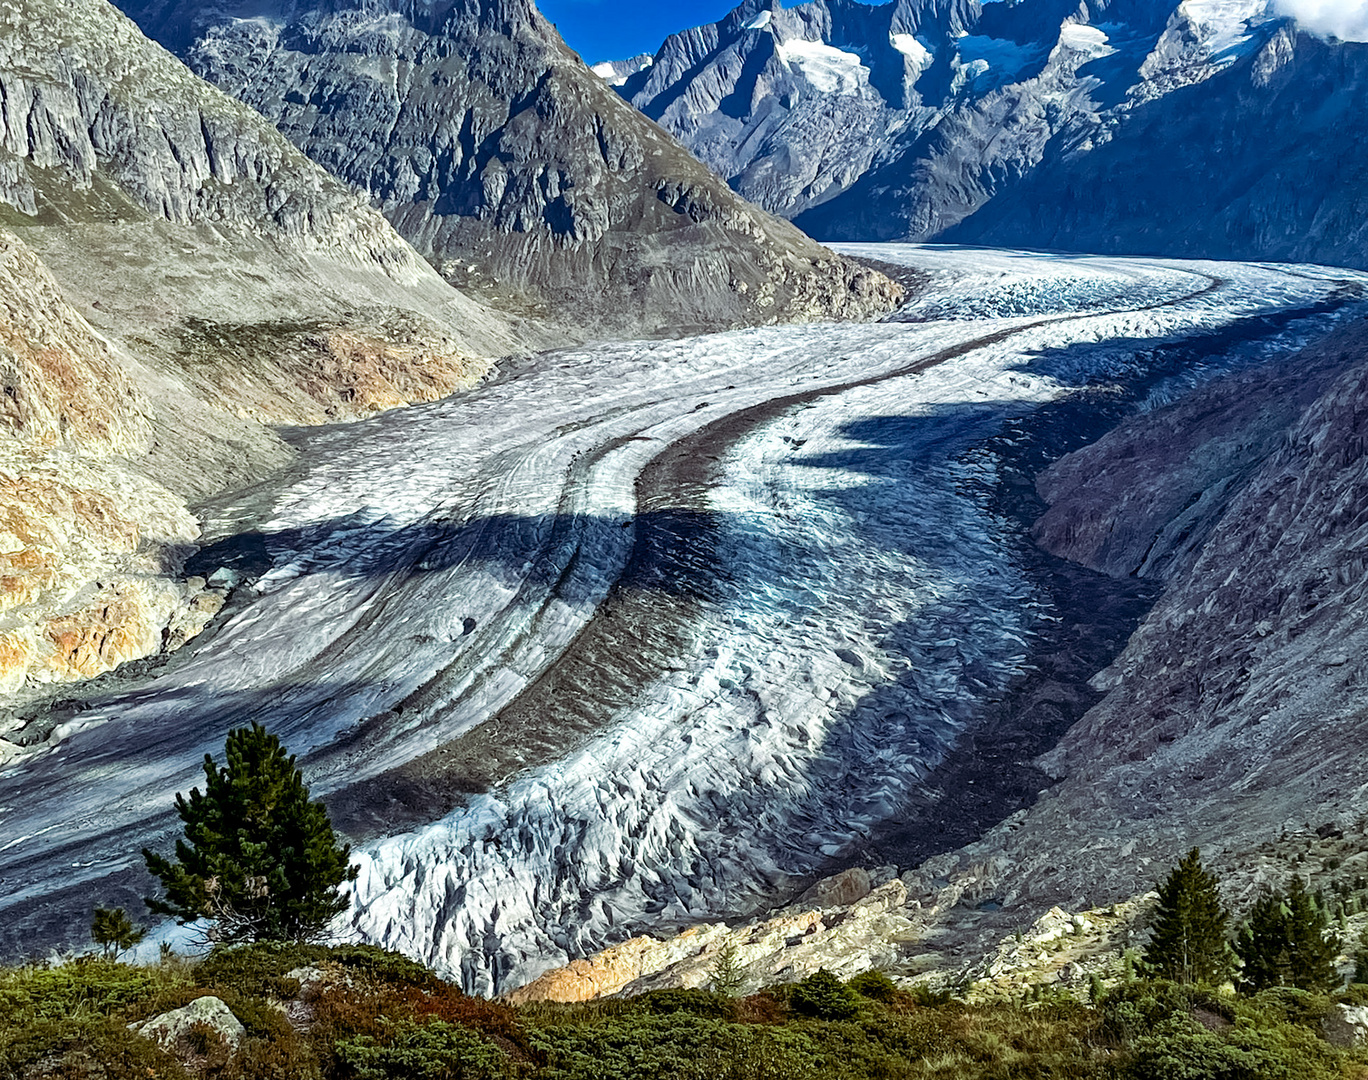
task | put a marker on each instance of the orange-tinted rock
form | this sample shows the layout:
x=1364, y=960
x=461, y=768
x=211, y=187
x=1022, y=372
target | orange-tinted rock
x=607, y=972
x=59, y=383
x=16, y=654
x=101, y=637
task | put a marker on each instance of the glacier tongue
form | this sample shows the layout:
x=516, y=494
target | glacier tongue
x=864, y=603
x=852, y=603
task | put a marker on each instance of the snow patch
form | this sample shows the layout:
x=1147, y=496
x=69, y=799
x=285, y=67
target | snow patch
x=1002, y=56
x=1089, y=40
x=1225, y=27
x=760, y=22
x=617, y=72
x=828, y=69
x=912, y=48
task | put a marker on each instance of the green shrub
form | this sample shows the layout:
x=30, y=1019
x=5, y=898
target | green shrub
x=824, y=997
x=1288, y=1005
x=1135, y=1009
x=285, y=1058
x=706, y=1003
x=91, y=1048
x=87, y=985
x=1182, y=1049
x=434, y=1050
x=874, y=985
x=678, y=1046
x=260, y=968
x=256, y=968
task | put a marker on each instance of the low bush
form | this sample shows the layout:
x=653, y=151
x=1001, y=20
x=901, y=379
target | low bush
x=374, y=1017
x=822, y=996
x=874, y=985
x=431, y=1050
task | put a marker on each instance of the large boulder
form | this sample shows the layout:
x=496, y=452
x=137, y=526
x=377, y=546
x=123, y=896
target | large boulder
x=173, y=1030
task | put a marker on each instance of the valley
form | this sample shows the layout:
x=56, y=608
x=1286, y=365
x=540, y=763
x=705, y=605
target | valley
x=639, y=634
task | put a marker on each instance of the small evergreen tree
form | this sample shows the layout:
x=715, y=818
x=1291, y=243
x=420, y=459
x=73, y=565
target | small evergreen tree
x=1288, y=942
x=823, y=996
x=1312, y=945
x=1188, y=939
x=727, y=971
x=1261, y=945
x=262, y=861
x=1361, y=957
x=114, y=931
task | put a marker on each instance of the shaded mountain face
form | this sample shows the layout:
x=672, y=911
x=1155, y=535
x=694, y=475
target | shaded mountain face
x=1138, y=126
x=513, y=168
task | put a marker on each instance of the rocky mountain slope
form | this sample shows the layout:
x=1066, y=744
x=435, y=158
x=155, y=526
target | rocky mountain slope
x=1137, y=127
x=178, y=277
x=511, y=166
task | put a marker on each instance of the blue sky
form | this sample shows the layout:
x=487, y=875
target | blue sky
x=616, y=29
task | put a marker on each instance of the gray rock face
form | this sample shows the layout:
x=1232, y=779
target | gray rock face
x=1235, y=710
x=1139, y=126
x=176, y=279
x=510, y=165
x=91, y=107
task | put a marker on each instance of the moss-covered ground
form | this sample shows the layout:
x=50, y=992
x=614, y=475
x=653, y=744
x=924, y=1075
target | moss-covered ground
x=369, y=1015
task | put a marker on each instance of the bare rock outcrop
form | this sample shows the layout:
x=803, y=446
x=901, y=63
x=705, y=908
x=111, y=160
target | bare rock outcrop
x=845, y=938
x=184, y=1032
x=1234, y=714
x=85, y=536
x=179, y=279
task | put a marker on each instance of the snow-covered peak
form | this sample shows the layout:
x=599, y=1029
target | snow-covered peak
x=617, y=72
x=913, y=48
x=1092, y=41
x=1226, y=28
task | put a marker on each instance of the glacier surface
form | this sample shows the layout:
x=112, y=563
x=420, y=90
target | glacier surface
x=852, y=602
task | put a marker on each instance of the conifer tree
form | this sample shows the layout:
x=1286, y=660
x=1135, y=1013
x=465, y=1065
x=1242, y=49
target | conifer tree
x=262, y=861
x=728, y=973
x=1261, y=945
x=114, y=931
x=1287, y=941
x=1188, y=938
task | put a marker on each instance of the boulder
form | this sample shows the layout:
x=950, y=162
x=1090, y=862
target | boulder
x=1347, y=1025
x=840, y=890
x=170, y=1030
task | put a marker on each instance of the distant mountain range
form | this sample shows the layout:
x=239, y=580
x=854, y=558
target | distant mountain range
x=1206, y=128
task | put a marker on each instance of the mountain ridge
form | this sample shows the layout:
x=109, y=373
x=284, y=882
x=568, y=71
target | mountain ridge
x=1138, y=127
x=512, y=168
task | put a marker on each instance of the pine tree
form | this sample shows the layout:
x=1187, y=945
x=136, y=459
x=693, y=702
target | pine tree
x=1261, y=945
x=1312, y=946
x=727, y=972
x=262, y=861
x=1188, y=939
x=1287, y=942
x=114, y=931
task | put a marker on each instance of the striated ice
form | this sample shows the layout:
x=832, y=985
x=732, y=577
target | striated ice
x=444, y=556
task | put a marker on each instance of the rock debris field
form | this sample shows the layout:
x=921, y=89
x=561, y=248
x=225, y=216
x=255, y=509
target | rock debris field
x=686, y=620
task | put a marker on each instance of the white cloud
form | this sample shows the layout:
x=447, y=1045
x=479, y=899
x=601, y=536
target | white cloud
x=1344, y=19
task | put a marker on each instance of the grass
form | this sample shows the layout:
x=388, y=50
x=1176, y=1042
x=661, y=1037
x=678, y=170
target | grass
x=365, y=1014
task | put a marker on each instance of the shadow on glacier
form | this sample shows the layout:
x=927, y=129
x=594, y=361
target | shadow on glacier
x=75, y=820
x=568, y=553
x=1177, y=364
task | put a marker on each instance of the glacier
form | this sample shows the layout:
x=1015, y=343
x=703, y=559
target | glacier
x=842, y=599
